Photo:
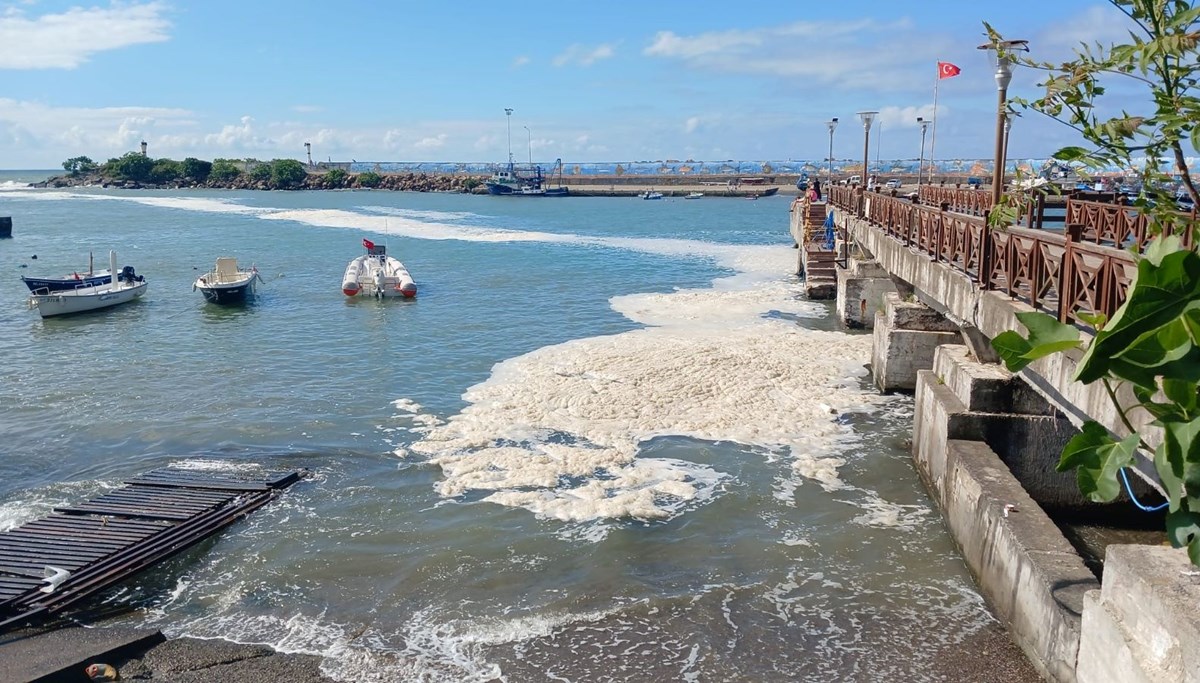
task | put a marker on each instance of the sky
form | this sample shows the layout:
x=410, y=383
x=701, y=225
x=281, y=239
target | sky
x=586, y=82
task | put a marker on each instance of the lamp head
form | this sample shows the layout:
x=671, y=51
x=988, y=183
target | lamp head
x=508, y=111
x=867, y=118
x=832, y=124
x=999, y=54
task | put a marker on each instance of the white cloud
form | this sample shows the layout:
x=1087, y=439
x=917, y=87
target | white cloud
x=691, y=124
x=520, y=61
x=1102, y=24
x=436, y=142
x=582, y=55
x=862, y=53
x=66, y=40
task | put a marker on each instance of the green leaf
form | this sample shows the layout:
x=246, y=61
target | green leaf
x=1097, y=458
x=1177, y=459
x=1096, y=320
x=1070, y=153
x=1183, y=529
x=1012, y=347
x=1158, y=296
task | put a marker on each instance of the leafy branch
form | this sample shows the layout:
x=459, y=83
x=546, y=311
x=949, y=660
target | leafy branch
x=1152, y=343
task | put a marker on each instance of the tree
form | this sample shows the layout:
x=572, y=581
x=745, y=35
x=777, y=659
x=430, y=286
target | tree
x=130, y=166
x=196, y=169
x=335, y=177
x=76, y=166
x=369, y=179
x=1152, y=344
x=287, y=173
x=165, y=171
x=224, y=169
x=258, y=171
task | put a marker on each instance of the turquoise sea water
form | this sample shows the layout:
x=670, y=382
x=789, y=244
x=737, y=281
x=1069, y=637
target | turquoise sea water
x=609, y=440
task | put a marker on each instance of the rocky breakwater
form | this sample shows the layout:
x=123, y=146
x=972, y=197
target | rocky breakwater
x=407, y=182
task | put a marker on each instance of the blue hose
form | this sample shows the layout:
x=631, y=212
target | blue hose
x=1129, y=490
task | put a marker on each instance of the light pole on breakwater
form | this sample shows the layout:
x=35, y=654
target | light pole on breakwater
x=508, y=116
x=832, y=124
x=921, y=163
x=867, y=117
x=529, y=142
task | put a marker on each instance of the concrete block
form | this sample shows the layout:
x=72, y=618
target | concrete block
x=897, y=355
x=984, y=387
x=860, y=298
x=1027, y=570
x=1152, y=592
x=1104, y=652
x=914, y=315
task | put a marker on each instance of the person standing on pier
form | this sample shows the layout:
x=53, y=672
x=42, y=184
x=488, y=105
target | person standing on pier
x=816, y=186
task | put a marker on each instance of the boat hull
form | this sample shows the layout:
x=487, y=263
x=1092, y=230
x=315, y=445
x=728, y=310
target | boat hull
x=226, y=284
x=86, y=299
x=45, y=285
x=228, y=295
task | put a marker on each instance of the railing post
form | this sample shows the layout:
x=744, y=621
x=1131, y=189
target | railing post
x=985, y=256
x=1066, y=278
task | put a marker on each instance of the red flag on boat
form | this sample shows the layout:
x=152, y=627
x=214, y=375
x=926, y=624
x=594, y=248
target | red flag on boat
x=947, y=70
x=368, y=244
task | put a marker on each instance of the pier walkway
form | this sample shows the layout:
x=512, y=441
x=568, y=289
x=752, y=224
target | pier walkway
x=51, y=564
x=936, y=283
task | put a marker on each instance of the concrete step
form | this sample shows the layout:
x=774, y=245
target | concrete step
x=39, y=656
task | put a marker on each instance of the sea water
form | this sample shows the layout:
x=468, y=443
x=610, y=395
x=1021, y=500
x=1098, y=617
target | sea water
x=609, y=440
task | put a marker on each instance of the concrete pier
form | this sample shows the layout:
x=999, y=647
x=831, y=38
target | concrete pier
x=1030, y=574
x=906, y=335
x=861, y=287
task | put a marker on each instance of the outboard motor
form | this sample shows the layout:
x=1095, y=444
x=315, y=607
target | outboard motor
x=127, y=275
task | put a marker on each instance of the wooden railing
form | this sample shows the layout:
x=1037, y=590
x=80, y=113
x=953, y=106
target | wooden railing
x=970, y=201
x=1116, y=225
x=1055, y=272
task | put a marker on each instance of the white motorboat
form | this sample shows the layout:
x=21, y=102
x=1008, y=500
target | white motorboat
x=226, y=283
x=693, y=195
x=126, y=287
x=376, y=274
x=651, y=194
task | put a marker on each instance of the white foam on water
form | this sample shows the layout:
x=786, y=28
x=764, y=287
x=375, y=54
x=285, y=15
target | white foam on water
x=431, y=646
x=423, y=214
x=36, y=503
x=557, y=431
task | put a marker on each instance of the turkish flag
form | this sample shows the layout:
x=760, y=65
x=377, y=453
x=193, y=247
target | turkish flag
x=947, y=70
x=368, y=244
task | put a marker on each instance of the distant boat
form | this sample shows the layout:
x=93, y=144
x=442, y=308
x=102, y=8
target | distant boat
x=650, y=194
x=226, y=283
x=513, y=182
x=88, y=278
x=127, y=287
x=693, y=195
x=378, y=275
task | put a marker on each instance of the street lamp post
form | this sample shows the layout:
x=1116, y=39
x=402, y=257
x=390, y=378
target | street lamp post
x=921, y=164
x=508, y=116
x=529, y=143
x=867, y=117
x=832, y=124
x=999, y=52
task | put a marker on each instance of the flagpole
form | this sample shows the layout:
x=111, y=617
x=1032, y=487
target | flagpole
x=937, y=76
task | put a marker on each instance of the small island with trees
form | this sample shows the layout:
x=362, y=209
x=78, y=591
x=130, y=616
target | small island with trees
x=135, y=171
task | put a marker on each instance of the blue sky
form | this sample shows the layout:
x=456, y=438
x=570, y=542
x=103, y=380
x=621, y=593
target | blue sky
x=616, y=81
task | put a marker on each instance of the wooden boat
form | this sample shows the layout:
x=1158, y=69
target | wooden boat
x=91, y=277
x=226, y=283
x=127, y=287
x=378, y=275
